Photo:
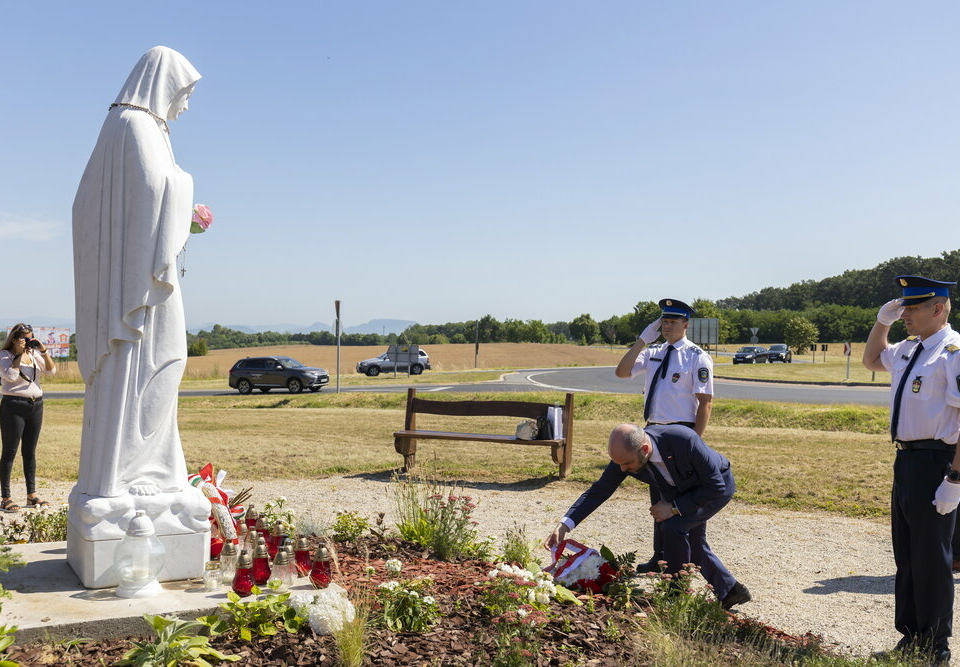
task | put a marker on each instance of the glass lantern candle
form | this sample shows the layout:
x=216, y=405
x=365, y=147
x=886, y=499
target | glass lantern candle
x=139, y=558
x=281, y=576
x=262, y=527
x=320, y=573
x=277, y=535
x=250, y=518
x=243, y=577
x=302, y=556
x=261, y=565
x=228, y=561
x=211, y=576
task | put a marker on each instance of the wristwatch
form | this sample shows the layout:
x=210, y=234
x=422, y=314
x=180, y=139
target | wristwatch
x=676, y=512
x=954, y=476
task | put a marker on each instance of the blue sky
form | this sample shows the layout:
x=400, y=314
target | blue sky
x=437, y=161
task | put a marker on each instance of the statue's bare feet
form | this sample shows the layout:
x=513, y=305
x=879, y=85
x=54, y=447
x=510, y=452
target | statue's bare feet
x=143, y=487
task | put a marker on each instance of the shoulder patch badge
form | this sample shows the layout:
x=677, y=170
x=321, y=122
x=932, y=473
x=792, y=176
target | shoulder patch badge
x=952, y=348
x=703, y=374
x=676, y=378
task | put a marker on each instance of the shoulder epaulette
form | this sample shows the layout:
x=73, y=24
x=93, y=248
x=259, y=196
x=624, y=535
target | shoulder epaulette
x=696, y=350
x=951, y=348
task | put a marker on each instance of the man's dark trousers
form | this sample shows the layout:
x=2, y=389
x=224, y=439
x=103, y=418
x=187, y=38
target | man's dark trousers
x=684, y=540
x=922, y=549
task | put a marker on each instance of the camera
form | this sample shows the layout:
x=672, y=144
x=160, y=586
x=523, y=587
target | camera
x=33, y=344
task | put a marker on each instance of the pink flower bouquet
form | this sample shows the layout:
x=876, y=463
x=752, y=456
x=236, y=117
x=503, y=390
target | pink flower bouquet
x=201, y=220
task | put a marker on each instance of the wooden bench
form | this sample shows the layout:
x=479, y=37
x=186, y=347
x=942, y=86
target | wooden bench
x=405, y=441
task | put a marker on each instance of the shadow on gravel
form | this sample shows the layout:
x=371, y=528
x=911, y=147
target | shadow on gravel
x=522, y=485
x=855, y=584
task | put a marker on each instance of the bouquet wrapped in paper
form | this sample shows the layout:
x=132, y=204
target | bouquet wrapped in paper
x=577, y=566
x=223, y=514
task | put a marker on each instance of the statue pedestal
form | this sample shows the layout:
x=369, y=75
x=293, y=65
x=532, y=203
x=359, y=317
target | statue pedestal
x=95, y=526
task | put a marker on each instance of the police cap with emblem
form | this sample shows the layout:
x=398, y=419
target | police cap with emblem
x=917, y=289
x=671, y=308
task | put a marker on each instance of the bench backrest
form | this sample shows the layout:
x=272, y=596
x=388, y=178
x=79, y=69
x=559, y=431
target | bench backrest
x=523, y=409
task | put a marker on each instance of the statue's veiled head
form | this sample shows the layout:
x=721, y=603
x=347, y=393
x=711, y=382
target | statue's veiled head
x=161, y=81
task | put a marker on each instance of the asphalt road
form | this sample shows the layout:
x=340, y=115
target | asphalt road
x=602, y=379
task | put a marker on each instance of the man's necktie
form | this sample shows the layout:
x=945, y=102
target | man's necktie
x=657, y=376
x=895, y=416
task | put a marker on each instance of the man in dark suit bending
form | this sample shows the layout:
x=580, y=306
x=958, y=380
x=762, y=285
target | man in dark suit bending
x=695, y=483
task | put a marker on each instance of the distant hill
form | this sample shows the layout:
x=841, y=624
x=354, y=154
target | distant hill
x=383, y=327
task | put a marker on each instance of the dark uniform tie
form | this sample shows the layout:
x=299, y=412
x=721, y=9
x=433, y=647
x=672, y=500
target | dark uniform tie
x=658, y=375
x=895, y=416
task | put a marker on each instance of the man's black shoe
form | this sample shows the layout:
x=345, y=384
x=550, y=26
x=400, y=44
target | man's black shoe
x=940, y=657
x=737, y=595
x=651, y=565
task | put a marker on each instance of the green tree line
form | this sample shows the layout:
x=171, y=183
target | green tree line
x=833, y=310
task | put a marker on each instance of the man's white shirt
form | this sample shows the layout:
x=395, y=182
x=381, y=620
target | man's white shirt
x=690, y=372
x=930, y=404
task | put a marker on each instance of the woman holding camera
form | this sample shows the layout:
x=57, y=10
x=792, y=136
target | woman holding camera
x=22, y=360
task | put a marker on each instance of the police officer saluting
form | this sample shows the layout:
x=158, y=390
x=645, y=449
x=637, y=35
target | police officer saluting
x=925, y=426
x=678, y=386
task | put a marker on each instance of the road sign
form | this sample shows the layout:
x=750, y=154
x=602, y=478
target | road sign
x=754, y=330
x=847, y=349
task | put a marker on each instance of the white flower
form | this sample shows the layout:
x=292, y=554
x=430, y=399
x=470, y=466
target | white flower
x=588, y=568
x=390, y=585
x=428, y=599
x=542, y=597
x=522, y=612
x=370, y=570
x=282, y=499
x=531, y=595
x=393, y=565
x=492, y=574
x=413, y=594
x=326, y=611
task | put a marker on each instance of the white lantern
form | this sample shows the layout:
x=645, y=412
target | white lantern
x=139, y=559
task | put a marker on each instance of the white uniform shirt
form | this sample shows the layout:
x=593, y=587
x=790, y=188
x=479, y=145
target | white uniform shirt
x=930, y=404
x=690, y=372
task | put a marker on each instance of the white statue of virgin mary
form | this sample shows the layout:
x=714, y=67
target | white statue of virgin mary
x=131, y=217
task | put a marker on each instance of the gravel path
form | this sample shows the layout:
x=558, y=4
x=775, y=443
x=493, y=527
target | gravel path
x=829, y=575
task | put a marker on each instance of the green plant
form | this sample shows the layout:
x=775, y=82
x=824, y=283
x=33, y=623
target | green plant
x=404, y=607
x=349, y=526
x=352, y=640
x=516, y=547
x=434, y=516
x=255, y=616
x=175, y=645
x=274, y=511
x=43, y=525
x=509, y=586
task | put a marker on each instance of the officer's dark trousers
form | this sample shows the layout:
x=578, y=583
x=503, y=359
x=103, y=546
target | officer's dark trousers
x=685, y=541
x=922, y=549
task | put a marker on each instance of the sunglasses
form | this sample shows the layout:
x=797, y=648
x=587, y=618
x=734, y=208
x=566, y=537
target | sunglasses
x=23, y=330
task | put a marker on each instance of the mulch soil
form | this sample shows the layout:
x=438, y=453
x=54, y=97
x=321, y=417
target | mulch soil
x=575, y=635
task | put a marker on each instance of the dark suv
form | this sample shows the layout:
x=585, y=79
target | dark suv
x=780, y=352
x=266, y=373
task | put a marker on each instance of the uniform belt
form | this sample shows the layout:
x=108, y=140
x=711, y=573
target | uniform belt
x=687, y=424
x=938, y=445
x=10, y=397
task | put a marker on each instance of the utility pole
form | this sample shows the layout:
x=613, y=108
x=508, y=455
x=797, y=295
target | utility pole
x=336, y=306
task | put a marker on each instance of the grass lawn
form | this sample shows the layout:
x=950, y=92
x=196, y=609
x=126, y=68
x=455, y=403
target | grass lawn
x=834, y=370
x=802, y=457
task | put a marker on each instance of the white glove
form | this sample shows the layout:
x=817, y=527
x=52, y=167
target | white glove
x=652, y=332
x=890, y=312
x=947, y=496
